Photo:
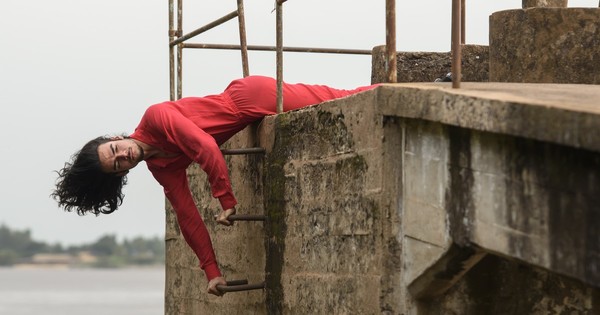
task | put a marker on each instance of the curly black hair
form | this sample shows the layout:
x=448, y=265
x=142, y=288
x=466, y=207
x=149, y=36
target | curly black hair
x=84, y=187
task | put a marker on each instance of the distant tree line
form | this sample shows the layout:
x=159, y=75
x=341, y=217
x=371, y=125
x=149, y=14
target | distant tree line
x=18, y=246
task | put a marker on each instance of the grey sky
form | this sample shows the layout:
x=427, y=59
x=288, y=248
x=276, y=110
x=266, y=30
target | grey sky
x=71, y=70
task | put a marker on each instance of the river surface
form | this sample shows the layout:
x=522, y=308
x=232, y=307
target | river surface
x=81, y=291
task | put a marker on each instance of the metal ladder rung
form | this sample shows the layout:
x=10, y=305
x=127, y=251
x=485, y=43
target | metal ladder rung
x=232, y=286
x=247, y=217
x=237, y=282
x=256, y=150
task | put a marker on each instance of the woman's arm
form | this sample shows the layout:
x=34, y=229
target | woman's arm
x=200, y=147
x=192, y=226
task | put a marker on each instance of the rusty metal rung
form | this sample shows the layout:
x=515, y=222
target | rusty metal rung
x=247, y=217
x=256, y=150
x=241, y=287
x=285, y=48
x=205, y=28
x=237, y=282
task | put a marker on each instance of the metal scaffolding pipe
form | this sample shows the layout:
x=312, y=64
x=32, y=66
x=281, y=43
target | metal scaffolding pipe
x=179, y=72
x=205, y=28
x=315, y=50
x=243, y=287
x=390, y=41
x=243, y=44
x=456, y=45
x=172, y=34
x=279, y=58
x=256, y=150
x=179, y=49
x=463, y=23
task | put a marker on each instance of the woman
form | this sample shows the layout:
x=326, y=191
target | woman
x=169, y=137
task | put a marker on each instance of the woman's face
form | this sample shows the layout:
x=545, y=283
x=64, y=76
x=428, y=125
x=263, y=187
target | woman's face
x=119, y=155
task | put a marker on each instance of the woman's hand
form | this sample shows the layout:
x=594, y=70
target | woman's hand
x=212, y=286
x=222, y=218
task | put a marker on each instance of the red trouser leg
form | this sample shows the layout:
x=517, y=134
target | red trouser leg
x=256, y=96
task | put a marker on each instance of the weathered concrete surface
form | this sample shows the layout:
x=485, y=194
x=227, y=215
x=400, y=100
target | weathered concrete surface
x=240, y=249
x=545, y=45
x=559, y=113
x=328, y=240
x=466, y=198
x=496, y=191
x=545, y=3
x=428, y=66
x=502, y=286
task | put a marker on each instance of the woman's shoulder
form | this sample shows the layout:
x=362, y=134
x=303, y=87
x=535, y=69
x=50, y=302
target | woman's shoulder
x=158, y=114
x=159, y=108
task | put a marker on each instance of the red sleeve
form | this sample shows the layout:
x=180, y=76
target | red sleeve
x=200, y=147
x=192, y=226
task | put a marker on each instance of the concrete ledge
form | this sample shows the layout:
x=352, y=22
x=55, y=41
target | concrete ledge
x=566, y=114
x=382, y=199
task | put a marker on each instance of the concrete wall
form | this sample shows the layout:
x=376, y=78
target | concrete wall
x=545, y=3
x=401, y=201
x=419, y=198
x=329, y=236
x=545, y=45
x=428, y=66
x=240, y=249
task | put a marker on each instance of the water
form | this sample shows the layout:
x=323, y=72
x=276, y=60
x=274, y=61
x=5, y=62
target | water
x=81, y=291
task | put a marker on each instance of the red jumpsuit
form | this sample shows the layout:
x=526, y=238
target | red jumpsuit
x=195, y=127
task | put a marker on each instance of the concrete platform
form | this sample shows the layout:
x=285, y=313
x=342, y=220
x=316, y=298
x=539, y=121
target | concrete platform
x=566, y=114
x=411, y=198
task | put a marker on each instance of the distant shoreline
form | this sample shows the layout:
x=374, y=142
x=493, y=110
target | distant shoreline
x=70, y=267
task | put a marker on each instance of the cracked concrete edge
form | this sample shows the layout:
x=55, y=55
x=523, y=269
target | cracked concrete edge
x=565, y=114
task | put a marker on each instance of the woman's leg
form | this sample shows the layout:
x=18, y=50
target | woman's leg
x=257, y=95
x=301, y=95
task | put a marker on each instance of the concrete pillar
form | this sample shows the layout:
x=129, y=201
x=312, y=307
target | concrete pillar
x=545, y=45
x=428, y=66
x=545, y=3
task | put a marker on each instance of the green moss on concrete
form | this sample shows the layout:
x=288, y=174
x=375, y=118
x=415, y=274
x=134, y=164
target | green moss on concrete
x=356, y=165
x=333, y=130
x=274, y=198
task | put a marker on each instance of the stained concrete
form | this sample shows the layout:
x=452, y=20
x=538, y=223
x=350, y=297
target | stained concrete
x=558, y=113
x=545, y=45
x=545, y=3
x=428, y=66
x=417, y=198
x=409, y=199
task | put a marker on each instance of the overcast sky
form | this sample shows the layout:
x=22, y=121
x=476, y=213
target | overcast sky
x=71, y=70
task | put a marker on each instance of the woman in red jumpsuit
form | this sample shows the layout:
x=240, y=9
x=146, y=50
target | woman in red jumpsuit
x=169, y=137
